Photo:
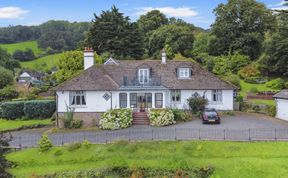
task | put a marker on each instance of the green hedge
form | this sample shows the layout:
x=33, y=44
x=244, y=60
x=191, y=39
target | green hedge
x=28, y=109
x=12, y=110
x=39, y=109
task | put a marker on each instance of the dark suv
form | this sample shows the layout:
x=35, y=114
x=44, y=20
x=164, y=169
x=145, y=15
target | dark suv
x=210, y=116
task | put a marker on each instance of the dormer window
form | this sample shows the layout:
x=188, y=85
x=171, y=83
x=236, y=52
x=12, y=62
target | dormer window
x=143, y=75
x=184, y=73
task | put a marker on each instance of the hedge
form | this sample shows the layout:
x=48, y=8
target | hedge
x=12, y=110
x=28, y=109
x=39, y=109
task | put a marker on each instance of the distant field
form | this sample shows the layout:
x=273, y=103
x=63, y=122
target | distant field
x=22, y=46
x=43, y=63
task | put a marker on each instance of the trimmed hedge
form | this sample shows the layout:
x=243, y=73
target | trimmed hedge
x=28, y=109
x=12, y=110
x=39, y=109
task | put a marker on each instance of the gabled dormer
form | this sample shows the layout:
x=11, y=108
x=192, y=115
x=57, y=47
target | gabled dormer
x=110, y=61
x=184, y=72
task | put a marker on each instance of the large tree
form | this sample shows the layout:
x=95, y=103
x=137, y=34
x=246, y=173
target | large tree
x=240, y=26
x=114, y=33
x=276, y=56
x=6, y=60
x=179, y=37
x=152, y=20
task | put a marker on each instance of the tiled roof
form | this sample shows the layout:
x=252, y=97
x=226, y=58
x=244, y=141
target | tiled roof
x=282, y=94
x=110, y=77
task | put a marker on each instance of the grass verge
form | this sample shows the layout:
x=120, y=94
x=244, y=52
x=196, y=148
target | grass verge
x=16, y=124
x=229, y=159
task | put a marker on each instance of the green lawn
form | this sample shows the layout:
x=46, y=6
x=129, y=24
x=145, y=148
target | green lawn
x=14, y=124
x=22, y=46
x=260, y=101
x=229, y=159
x=246, y=87
x=43, y=63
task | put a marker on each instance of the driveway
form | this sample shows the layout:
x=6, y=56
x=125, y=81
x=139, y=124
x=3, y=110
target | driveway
x=242, y=126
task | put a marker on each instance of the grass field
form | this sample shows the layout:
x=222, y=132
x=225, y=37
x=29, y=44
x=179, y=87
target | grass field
x=246, y=87
x=22, y=46
x=14, y=124
x=229, y=159
x=43, y=63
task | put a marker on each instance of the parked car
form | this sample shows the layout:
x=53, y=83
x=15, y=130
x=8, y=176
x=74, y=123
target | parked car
x=210, y=116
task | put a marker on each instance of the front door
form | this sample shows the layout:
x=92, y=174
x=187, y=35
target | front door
x=144, y=100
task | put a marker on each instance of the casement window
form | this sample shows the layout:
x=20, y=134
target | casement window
x=217, y=96
x=133, y=100
x=143, y=75
x=123, y=100
x=175, y=95
x=184, y=73
x=78, y=98
x=158, y=100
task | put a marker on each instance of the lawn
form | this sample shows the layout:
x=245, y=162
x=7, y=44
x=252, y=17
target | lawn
x=260, y=101
x=22, y=46
x=229, y=159
x=246, y=87
x=14, y=124
x=43, y=63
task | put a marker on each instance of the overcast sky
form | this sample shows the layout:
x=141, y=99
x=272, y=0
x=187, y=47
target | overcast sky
x=34, y=12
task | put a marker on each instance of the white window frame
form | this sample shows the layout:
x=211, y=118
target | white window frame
x=173, y=94
x=74, y=95
x=217, y=96
x=184, y=73
x=143, y=75
x=125, y=100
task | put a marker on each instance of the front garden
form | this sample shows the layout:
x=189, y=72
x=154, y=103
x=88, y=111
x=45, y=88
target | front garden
x=155, y=159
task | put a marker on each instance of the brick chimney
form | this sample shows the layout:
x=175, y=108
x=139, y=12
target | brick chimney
x=163, y=54
x=88, y=57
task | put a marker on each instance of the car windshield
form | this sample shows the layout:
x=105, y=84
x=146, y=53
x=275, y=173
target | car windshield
x=210, y=113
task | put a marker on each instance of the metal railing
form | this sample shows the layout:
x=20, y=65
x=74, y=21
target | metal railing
x=169, y=134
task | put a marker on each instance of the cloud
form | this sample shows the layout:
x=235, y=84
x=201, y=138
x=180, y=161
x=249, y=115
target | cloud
x=11, y=12
x=279, y=6
x=170, y=11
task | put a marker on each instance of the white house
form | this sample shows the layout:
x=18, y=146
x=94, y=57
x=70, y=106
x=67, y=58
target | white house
x=281, y=99
x=27, y=76
x=141, y=85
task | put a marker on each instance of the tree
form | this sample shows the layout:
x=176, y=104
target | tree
x=152, y=20
x=26, y=55
x=4, y=164
x=197, y=103
x=201, y=43
x=276, y=52
x=240, y=26
x=70, y=64
x=179, y=37
x=6, y=60
x=114, y=33
x=6, y=77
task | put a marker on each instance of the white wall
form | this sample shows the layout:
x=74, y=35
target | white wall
x=94, y=101
x=226, y=104
x=282, y=109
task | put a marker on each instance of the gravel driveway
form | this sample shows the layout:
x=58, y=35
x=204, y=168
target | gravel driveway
x=242, y=126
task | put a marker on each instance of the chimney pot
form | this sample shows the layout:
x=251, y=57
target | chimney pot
x=163, y=54
x=88, y=57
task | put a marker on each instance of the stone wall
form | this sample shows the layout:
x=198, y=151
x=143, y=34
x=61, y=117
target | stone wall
x=90, y=119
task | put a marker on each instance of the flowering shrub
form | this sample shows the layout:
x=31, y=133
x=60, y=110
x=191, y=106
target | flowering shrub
x=161, y=117
x=116, y=119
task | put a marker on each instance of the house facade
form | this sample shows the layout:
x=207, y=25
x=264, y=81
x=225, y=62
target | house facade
x=281, y=100
x=140, y=85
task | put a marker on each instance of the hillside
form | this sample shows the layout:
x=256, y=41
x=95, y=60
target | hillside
x=22, y=46
x=43, y=64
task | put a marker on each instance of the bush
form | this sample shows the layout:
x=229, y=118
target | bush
x=12, y=110
x=6, y=77
x=86, y=143
x=286, y=85
x=74, y=146
x=250, y=71
x=233, y=79
x=45, y=143
x=180, y=115
x=69, y=121
x=161, y=117
x=197, y=103
x=271, y=111
x=8, y=93
x=276, y=84
x=116, y=119
x=39, y=109
x=254, y=90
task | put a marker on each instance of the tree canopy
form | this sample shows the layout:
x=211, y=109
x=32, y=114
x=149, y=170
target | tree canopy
x=114, y=33
x=240, y=26
x=152, y=20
